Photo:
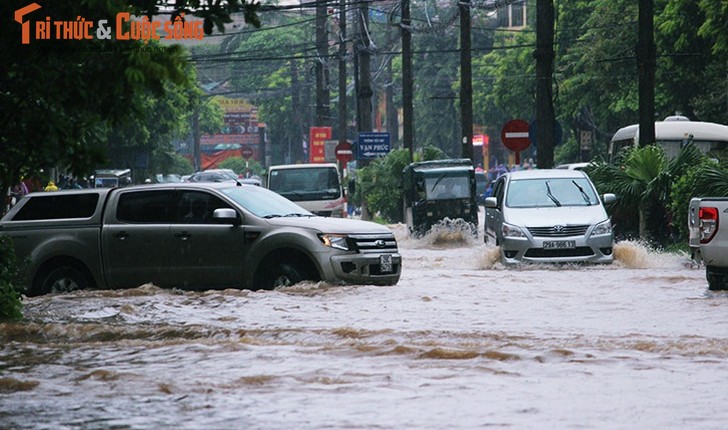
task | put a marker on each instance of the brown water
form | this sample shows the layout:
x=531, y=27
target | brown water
x=460, y=342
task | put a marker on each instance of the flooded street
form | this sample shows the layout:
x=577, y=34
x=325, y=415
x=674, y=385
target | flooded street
x=461, y=342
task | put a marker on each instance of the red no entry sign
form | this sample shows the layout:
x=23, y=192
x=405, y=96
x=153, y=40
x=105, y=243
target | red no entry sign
x=344, y=152
x=515, y=135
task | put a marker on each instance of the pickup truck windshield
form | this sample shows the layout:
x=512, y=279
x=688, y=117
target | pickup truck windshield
x=550, y=192
x=264, y=203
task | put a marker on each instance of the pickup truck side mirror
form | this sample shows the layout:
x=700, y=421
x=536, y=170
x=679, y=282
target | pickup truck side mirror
x=226, y=216
x=491, y=202
x=609, y=198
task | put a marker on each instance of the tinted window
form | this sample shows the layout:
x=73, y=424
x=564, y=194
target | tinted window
x=55, y=206
x=146, y=207
x=196, y=207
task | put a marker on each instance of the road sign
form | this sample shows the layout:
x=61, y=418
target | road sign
x=372, y=145
x=515, y=135
x=246, y=152
x=344, y=152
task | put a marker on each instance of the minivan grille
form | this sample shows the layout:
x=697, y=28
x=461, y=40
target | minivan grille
x=559, y=230
x=375, y=243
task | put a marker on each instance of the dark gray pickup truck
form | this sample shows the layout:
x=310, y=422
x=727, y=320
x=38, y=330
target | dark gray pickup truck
x=191, y=236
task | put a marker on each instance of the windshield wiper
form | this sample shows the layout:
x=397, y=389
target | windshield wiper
x=551, y=196
x=437, y=182
x=584, y=195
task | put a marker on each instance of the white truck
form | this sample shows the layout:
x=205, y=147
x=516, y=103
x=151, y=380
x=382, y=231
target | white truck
x=315, y=187
x=708, y=239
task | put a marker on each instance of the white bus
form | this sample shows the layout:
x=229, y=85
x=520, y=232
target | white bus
x=314, y=187
x=672, y=134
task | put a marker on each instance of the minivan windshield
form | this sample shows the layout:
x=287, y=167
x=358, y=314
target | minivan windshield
x=550, y=192
x=264, y=203
x=306, y=183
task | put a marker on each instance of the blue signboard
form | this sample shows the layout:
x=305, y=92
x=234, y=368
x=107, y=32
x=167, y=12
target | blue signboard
x=372, y=145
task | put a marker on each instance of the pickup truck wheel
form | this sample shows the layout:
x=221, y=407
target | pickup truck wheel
x=284, y=275
x=63, y=279
x=717, y=281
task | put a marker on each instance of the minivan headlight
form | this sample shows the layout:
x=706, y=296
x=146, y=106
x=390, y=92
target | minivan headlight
x=603, y=228
x=336, y=241
x=509, y=230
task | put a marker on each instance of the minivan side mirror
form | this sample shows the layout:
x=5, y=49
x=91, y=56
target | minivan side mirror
x=609, y=198
x=226, y=216
x=491, y=202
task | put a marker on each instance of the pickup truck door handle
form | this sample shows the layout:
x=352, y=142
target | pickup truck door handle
x=183, y=235
x=121, y=235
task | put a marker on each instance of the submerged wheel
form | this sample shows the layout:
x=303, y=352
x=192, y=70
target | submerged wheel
x=284, y=275
x=717, y=279
x=62, y=280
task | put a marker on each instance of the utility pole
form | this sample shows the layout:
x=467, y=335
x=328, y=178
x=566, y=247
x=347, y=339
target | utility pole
x=322, y=60
x=342, y=71
x=646, y=68
x=407, y=81
x=364, y=91
x=466, y=84
x=544, y=55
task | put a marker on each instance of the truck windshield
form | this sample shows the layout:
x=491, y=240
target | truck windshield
x=306, y=184
x=447, y=186
x=550, y=192
x=264, y=203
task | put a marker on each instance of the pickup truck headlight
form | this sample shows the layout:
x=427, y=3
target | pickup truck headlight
x=336, y=241
x=509, y=230
x=603, y=228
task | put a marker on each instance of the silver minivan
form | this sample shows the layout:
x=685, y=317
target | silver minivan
x=551, y=216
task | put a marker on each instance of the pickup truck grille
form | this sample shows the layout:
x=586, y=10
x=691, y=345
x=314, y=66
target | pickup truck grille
x=374, y=243
x=559, y=230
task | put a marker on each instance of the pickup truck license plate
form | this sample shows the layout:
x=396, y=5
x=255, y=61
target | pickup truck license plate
x=385, y=263
x=559, y=244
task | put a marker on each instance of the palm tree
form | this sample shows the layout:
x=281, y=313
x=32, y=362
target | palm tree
x=642, y=181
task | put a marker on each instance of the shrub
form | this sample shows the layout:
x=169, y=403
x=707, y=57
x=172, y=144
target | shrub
x=11, y=283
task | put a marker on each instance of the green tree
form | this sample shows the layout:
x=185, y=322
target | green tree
x=59, y=98
x=643, y=182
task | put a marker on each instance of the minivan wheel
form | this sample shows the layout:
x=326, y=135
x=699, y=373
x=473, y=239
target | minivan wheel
x=284, y=275
x=62, y=280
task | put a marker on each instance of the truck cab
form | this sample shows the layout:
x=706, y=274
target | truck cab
x=436, y=191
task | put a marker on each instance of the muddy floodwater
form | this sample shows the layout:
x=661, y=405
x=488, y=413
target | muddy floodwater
x=460, y=343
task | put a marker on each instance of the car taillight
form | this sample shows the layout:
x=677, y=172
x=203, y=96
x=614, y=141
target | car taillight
x=708, y=223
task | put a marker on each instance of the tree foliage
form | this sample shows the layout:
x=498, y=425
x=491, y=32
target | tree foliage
x=62, y=98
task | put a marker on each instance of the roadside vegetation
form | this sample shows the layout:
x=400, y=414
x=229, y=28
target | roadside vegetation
x=10, y=281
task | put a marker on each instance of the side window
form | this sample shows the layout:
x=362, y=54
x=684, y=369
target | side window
x=55, y=206
x=499, y=190
x=196, y=207
x=149, y=207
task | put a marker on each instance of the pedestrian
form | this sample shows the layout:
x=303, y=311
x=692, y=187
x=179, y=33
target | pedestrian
x=51, y=186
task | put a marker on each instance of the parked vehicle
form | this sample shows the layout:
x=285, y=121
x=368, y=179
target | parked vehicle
x=672, y=134
x=573, y=166
x=191, y=236
x=439, y=190
x=315, y=187
x=108, y=178
x=214, y=175
x=551, y=216
x=708, y=238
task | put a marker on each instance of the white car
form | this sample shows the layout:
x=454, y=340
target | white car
x=551, y=216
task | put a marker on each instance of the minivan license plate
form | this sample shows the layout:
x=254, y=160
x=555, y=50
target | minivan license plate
x=385, y=263
x=559, y=244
